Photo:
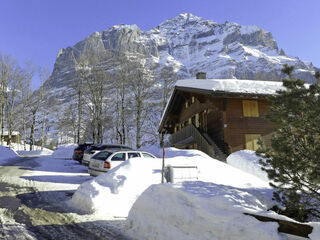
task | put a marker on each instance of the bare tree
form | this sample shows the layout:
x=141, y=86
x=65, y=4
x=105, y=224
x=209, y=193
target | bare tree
x=44, y=128
x=36, y=101
x=26, y=97
x=15, y=86
x=142, y=85
x=5, y=65
x=168, y=77
x=96, y=83
x=121, y=85
x=82, y=76
x=10, y=84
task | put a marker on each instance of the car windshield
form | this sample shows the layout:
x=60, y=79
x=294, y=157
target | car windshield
x=147, y=155
x=101, y=155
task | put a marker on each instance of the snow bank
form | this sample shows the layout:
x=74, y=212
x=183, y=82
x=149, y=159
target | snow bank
x=64, y=151
x=7, y=153
x=19, y=148
x=114, y=193
x=35, y=152
x=197, y=210
x=247, y=161
x=315, y=235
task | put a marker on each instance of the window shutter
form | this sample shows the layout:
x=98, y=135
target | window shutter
x=250, y=108
x=252, y=141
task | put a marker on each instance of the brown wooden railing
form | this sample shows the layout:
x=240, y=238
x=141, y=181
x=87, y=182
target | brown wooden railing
x=192, y=131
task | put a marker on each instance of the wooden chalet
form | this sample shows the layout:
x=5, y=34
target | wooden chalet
x=218, y=116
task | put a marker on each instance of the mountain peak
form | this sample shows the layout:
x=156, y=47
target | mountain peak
x=125, y=26
x=185, y=19
x=188, y=17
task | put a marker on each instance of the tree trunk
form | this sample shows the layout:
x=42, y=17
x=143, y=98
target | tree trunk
x=32, y=130
x=43, y=130
x=79, y=115
x=123, y=141
x=2, y=123
x=138, y=126
x=24, y=131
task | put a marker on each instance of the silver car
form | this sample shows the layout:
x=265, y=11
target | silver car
x=89, y=152
x=103, y=161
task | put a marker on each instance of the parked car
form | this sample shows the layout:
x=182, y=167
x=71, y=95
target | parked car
x=97, y=148
x=79, y=151
x=103, y=161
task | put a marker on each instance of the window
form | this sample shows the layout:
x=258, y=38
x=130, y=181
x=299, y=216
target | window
x=147, y=155
x=250, y=108
x=102, y=155
x=133, y=155
x=252, y=141
x=119, y=157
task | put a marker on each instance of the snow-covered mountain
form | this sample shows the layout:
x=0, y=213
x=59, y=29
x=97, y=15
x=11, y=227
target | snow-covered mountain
x=187, y=43
x=191, y=44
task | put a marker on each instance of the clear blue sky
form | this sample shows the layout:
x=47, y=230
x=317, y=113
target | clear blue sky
x=36, y=29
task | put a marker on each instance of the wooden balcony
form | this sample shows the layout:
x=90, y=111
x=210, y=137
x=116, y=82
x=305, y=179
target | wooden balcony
x=190, y=135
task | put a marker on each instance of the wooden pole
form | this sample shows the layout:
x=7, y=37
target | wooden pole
x=162, y=171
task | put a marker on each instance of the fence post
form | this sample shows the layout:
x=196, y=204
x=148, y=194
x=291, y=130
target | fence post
x=171, y=174
x=162, y=170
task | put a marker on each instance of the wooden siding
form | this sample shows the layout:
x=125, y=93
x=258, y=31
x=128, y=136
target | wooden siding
x=237, y=126
x=222, y=119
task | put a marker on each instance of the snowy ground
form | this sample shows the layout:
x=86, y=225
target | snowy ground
x=248, y=161
x=210, y=208
x=131, y=199
x=34, y=195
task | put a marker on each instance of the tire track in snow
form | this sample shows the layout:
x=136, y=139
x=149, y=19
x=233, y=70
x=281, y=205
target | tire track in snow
x=29, y=214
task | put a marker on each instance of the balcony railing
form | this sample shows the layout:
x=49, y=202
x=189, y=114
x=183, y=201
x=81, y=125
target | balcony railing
x=190, y=134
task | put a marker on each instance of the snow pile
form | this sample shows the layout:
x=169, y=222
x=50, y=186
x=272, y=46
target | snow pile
x=315, y=235
x=7, y=153
x=209, y=169
x=43, y=152
x=114, y=193
x=64, y=151
x=120, y=187
x=19, y=148
x=197, y=210
x=247, y=161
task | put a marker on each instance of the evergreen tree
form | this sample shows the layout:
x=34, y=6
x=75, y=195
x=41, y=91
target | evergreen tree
x=293, y=160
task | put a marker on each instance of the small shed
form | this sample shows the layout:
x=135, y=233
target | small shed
x=15, y=136
x=219, y=116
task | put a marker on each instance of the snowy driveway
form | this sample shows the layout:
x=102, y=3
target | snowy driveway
x=34, y=194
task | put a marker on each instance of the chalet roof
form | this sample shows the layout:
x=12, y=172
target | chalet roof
x=256, y=87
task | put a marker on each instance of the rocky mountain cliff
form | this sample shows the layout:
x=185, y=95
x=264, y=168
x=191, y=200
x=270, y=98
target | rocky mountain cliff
x=190, y=44
x=187, y=43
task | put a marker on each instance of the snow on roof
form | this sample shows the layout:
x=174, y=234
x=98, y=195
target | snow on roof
x=14, y=133
x=233, y=85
